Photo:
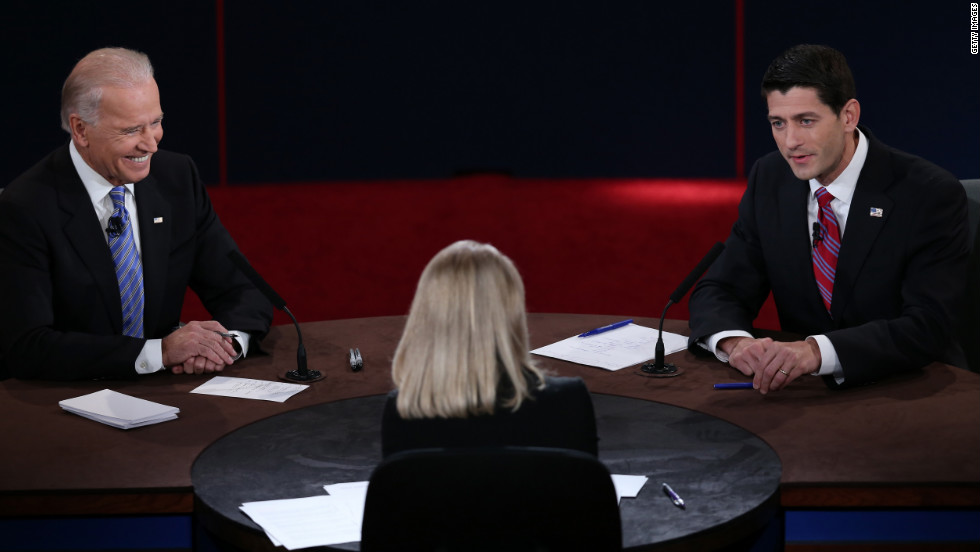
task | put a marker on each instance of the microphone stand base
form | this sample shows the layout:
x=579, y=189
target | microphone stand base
x=294, y=376
x=651, y=370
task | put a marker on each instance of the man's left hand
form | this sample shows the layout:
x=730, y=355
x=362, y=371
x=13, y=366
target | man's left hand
x=783, y=362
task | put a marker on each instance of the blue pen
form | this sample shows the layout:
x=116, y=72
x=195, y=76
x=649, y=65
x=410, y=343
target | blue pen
x=606, y=328
x=674, y=497
x=736, y=385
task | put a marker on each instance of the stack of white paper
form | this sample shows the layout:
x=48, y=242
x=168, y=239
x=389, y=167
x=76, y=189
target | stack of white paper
x=313, y=521
x=354, y=494
x=118, y=410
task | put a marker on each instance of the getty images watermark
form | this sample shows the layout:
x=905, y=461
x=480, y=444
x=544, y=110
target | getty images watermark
x=973, y=28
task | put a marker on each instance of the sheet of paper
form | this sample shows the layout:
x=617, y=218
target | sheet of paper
x=615, y=349
x=628, y=485
x=304, y=522
x=353, y=494
x=119, y=410
x=244, y=388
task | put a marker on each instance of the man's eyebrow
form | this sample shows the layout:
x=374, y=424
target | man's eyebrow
x=805, y=115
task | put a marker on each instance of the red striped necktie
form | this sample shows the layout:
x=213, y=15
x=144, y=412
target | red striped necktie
x=826, y=247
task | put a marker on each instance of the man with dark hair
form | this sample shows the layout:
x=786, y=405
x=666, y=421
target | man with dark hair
x=97, y=248
x=877, y=299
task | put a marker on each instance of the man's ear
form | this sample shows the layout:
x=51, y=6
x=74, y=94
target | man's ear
x=79, y=129
x=851, y=114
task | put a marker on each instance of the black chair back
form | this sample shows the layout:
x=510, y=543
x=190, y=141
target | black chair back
x=482, y=499
x=969, y=327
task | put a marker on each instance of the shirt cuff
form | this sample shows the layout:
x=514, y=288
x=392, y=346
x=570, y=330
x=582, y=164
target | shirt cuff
x=711, y=342
x=150, y=358
x=243, y=340
x=829, y=363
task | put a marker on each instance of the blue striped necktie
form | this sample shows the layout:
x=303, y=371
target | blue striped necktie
x=825, y=251
x=129, y=269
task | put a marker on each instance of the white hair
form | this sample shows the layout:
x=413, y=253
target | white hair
x=117, y=67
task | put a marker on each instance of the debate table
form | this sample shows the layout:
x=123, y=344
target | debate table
x=911, y=441
x=728, y=477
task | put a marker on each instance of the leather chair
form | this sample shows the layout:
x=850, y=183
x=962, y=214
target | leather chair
x=482, y=499
x=969, y=328
x=972, y=188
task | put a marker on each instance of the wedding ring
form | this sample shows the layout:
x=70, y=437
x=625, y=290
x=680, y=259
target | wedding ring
x=784, y=372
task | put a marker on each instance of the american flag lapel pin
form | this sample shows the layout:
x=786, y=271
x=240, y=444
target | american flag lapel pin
x=158, y=220
x=877, y=212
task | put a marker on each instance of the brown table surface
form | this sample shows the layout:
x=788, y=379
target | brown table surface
x=910, y=441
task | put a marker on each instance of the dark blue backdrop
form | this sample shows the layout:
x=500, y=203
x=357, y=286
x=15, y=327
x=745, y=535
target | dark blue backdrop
x=348, y=90
x=918, y=83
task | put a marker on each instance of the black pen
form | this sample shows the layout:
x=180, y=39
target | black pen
x=606, y=328
x=674, y=497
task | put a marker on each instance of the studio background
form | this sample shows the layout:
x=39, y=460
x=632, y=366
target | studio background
x=602, y=145
x=352, y=90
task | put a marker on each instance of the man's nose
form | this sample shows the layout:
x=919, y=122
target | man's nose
x=149, y=139
x=794, y=137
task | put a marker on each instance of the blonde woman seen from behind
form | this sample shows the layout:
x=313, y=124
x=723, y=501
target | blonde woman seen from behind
x=463, y=368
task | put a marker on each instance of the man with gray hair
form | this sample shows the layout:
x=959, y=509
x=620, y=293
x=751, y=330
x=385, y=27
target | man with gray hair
x=100, y=240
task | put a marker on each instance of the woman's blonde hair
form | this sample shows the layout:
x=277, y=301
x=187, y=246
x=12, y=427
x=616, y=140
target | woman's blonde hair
x=466, y=337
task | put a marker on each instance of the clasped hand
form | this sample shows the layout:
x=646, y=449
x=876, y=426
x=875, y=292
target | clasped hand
x=772, y=364
x=197, y=348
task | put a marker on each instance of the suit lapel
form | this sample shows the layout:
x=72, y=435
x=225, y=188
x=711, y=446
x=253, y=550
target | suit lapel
x=796, y=256
x=794, y=200
x=863, y=224
x=155, y=220
x=84, y=233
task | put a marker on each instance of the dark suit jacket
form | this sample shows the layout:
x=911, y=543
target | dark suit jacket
x=899, y=276
x=62, y=317
x=558, y=416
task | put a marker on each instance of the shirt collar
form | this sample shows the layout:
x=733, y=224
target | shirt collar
x=95, y=184
x=843, y=186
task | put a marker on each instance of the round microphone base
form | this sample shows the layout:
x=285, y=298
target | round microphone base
x=295, y=377
x=651, y=370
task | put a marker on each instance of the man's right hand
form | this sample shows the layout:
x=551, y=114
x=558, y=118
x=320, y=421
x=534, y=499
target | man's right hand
x=197, y=348
x=744, y=353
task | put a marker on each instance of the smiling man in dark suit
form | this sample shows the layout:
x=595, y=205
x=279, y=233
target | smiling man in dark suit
x=100, y=240
x=863, y=247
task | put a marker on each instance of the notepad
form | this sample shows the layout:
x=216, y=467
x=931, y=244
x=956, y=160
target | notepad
x=119, y=410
